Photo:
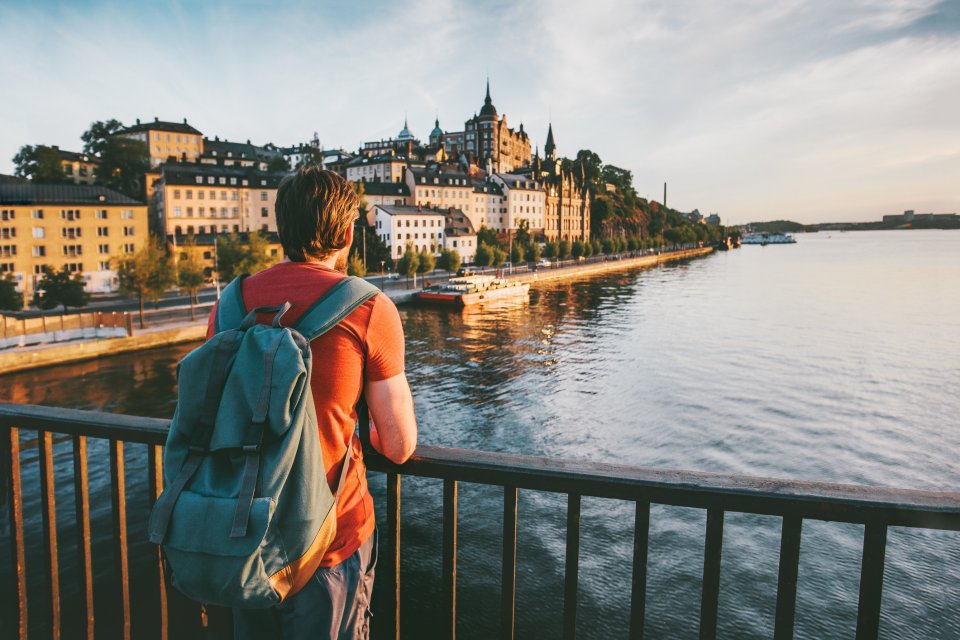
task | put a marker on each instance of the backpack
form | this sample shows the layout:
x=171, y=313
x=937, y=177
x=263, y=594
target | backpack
x=247, y=514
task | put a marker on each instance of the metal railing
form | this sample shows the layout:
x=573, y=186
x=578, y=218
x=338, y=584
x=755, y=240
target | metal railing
x=877, y=508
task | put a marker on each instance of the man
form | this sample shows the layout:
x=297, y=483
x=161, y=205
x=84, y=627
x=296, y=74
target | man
x=316, y=211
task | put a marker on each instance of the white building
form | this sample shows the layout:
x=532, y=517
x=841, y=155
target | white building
x=419, y=227
x=385, y=168
x=489, y=205
x=525, y=200
x=442, y=188
x=460, y=235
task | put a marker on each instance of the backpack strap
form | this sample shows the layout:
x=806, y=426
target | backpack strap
x=335, y=305
x=230, y=308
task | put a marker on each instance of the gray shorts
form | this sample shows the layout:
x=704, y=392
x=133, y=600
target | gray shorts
x=335, y=604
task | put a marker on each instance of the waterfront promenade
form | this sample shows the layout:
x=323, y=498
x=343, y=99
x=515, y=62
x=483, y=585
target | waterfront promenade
x=170, y=333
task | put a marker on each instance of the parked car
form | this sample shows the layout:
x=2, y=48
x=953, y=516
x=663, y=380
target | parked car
x=543, y=263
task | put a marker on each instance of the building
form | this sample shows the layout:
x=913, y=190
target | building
x=566, y=210
x=198, y=198
x=81, y=168
x=166, y=140
x=713, y=218
x=460, y=235
x=489, y=207
x=493, y=145
x=82, y=227
x=442, y=187
x=238, y=154
x=391, y=193
x=403, y=143
x=388, y=167
x=419, y=227
x=525, y=201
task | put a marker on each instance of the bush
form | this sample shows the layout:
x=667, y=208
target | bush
x=10, y=298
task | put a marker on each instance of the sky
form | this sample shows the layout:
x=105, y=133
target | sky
x=815, y=111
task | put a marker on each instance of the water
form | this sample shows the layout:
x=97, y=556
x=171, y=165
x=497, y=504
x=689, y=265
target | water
x=834, y=359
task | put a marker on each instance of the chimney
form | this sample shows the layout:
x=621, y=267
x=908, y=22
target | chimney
x=156, y=119
x=138, y=120
x=184, y=121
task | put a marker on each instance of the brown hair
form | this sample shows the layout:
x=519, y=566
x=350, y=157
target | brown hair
x=315, y=209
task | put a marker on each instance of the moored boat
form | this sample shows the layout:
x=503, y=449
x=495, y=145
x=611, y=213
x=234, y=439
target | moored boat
x=768, y=238
x=472, y=290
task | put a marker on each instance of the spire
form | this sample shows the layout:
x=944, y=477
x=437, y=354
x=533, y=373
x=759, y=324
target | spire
x=487, y=99
x=550, y=148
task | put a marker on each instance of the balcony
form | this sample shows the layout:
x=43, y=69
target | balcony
x=165, y=614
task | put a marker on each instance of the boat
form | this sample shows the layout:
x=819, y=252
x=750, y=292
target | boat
x=768, y=238
x=470, y=290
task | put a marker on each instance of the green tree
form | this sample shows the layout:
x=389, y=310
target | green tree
x=552, y=250
x=10, y=298
x=563, y=249
x=533, y=252
x=577, y=248
x=596, y=245
x=310, y=155
x=632, y=244
x=408, y=264
x=517, y=252
x=484, y=255
x=190, y=274
x=146, y=274
x=427, y=262
x=673, y=237
x=522, y=234
x=488, y=237
x=95, y=138
x=449, y=260
x=499, y=256
x=122, y=165
x=355, y=265
x=278, y=164
x=587, y=249
x=61, y=288
x=236, y=255
x=40, y=163
x=607, y=246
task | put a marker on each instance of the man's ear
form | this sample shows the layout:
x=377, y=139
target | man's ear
x=350, y=231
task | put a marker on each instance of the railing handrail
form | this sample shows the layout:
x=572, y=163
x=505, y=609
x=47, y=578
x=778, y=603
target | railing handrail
x=736, y=493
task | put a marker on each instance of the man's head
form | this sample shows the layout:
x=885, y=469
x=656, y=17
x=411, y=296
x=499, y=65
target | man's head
x=316, y=210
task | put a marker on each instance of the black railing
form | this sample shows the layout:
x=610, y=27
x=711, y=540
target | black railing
x=875, y=507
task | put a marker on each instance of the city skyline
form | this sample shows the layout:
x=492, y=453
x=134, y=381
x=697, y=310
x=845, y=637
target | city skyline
x=811, y=111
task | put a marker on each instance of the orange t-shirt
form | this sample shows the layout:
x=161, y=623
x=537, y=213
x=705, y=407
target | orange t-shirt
x=366, y=346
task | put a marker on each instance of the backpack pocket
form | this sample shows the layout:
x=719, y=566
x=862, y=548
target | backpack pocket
x=210, y=566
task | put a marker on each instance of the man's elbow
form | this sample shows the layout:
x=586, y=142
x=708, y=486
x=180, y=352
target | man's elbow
x=399, y=452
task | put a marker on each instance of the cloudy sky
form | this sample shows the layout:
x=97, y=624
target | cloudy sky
x=817, y=110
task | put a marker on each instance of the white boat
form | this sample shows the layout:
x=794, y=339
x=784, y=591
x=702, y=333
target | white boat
x=768, y=238
x=470, y=290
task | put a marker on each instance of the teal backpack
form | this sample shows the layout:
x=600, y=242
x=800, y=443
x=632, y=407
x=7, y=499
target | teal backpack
x=247, y=514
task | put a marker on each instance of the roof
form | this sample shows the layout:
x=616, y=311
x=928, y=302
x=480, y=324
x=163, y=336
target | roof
x=402, y=210
x=78, y=194
x=514, y=181
x=359, y=160
x=488, y=109
x=73, y=156
x=445, y=176
x=186, y=174
x=386, y=188
x=458, y=224
x=218, y=148
x=487, y=186
x=8, y=179
x=161, y=125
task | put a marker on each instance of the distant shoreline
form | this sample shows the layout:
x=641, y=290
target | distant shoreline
x=946, y=223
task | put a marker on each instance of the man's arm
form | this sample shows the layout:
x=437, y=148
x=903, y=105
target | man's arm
x=394, y=429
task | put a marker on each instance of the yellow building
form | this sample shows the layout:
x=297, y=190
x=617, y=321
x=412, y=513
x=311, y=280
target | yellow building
x=81, y=168
x=167, y=140
x=198, y=198
x=78, y=226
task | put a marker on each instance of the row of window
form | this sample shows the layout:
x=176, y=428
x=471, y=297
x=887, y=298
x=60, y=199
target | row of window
x=415, y=236
x=65, y=214
x=223, y=180
x=185, y=139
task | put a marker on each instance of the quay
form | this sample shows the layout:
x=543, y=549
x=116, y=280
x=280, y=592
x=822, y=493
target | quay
x=171, y=616
x=43, y=355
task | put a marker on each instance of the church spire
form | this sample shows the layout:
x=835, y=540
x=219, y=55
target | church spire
x=550, y=148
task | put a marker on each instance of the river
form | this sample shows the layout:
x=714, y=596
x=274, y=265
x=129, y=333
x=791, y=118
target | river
x=834, y=359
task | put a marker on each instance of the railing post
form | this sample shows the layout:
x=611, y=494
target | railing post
x=155, y=463
x=11, y=455
x=118, y=499
x=450, y=557
x=871, y=580
x=393, y=561
x=572, y=567
x=48, y=514
x=787, y=577
x=638, y=598
x=508, y=568
x=710, y=598
x=81, y=487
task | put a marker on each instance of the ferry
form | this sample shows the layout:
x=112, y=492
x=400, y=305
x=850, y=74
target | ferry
x=768, y=238
x=470, y=290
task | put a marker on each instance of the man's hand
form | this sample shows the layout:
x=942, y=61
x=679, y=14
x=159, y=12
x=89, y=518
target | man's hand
x=394, y=432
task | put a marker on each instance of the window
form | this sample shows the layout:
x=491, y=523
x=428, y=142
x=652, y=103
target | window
x=74, y=267
x=263, y=196
x=223, y=181
x=103, y=248
x=103, y=232
x=69, y=214
x=189, y=194
x=39, y=251
x=103, y=265
x=223, y=212
x=7, y=214
x=189, y=212
x=126, y=214
x=101, y=214
x=129, y=248
x=8, y=232
x=72, y=250
x=233, y=195
x=37, y=214
x=245, y=182
x=209, y=179
x=203, y=211
x=264, y=212
x=200, y=195
x=128, y=231
x=39, y=232
x=200, y=181
x=176, y=194
x=177, y=212
x=233, y=181
x=71, y=233
x=236, y=212
x=223, y=194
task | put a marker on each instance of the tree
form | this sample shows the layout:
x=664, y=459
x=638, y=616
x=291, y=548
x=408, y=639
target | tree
x=40, y=163
x=563, y=249
x=236, y=256
x=122, y=165
x=522, y=234
x=596, y=246
x=577, y=248
x=355, y=265
x=449, y=260
x=587, y=249
x=61, y=288
x=191, y=274
x=533, y=252
x=146, y=273
x=310, y=155
x=517, y=252
x=95, y=138
x=10, y=298
x=427, y=262
x=488, y=237
x=499, y=256
x=608, y=246
x=409, y=263
x=278, y=164
x=552, y=249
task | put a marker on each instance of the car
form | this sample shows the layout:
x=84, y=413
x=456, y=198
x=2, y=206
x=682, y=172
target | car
x=543, y=262
x=393, y=276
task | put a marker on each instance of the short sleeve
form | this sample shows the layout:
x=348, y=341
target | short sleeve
x=384, y=341
x=211, y=327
